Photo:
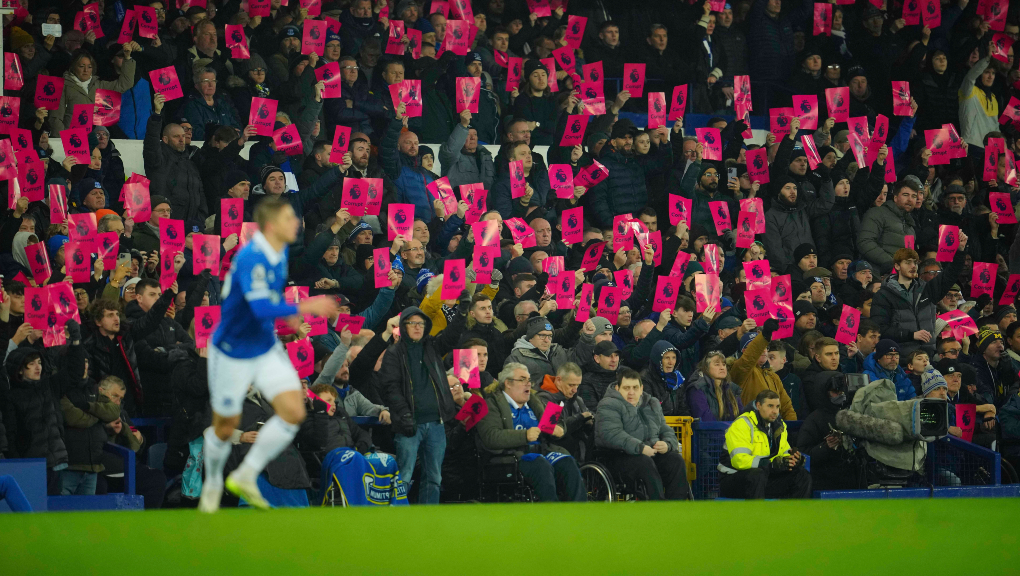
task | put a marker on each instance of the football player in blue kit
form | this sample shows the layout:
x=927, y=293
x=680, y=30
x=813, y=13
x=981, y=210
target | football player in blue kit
x=245, y=352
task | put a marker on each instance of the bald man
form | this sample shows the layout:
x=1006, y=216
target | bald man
x=544, y=239
x=398, y=154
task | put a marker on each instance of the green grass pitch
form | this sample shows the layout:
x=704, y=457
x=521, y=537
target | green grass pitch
x=871, y=537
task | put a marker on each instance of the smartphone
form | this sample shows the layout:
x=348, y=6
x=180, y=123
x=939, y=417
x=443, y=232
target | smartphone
x=124, y=259
x=732, y=173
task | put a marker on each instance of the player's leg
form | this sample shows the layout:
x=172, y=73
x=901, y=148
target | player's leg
x=279, y=383
x=228, y=382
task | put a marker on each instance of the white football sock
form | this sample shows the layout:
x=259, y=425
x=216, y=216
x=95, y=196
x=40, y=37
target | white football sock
x=216, y=453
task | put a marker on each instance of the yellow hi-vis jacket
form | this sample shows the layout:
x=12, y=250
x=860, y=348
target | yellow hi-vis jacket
x=747, y=444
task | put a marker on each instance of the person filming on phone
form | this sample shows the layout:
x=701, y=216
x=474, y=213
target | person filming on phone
x=819, y=439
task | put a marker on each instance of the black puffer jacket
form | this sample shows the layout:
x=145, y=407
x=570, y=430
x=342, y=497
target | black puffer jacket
x=31, y=413
x=594, y=383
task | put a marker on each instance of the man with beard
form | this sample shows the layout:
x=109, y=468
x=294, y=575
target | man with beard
x=904, y=308
x=884, y=227
x=625, y=190
x=707, y=190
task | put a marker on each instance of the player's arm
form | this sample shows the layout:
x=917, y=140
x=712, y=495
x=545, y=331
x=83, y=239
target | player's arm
x=265, y=302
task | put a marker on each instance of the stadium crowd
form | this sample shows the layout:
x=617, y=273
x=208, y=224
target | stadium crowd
x=668, y=272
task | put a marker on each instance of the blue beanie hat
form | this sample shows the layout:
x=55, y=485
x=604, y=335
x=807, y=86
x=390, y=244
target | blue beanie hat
x=423, y=278
x=397, y=264
x=746, y=339
x=54, y=244
x=361, y=227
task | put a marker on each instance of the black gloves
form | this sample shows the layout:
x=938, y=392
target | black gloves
x=319, y=406
x=770, y=326
x=780, y=464
x=405, y=425
x=73, y=330
x=464, y=304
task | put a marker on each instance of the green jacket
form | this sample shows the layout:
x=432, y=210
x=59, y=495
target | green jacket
x=496, y=431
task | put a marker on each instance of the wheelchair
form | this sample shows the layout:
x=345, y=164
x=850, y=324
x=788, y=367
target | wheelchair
x=603, y=486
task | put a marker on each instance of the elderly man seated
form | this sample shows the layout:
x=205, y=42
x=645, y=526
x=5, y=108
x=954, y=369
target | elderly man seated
x=630, y=423
x=511, y=427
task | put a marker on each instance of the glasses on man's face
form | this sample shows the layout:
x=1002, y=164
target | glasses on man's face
x=213, y=81
x=258, y=70
x=520, y=380
x=931, y=273
x=160, y=10
x=711, y=175
x=161, y=211
x=952, y=352
x=348, y=67
x=544, y=336
x=415, y=324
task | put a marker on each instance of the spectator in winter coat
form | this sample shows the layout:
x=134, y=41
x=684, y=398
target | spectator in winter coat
x=464, y=160
x=830, y=469
x=111, y=348
x=752, y=373
x=706, y=177
x=884, y=227
x=80, y=84
x=536, y=185
x=537, y=105
x=884, y=363
x=712, y=396
x=536, y=350
x=936, y=94
x=662, y=379
x=417, y=390
x=686, y=333
x=169, y=168
x=398, y=155
x=625, y=190
x=905, y=307
x=608, y=50
x=770, y=41
x=206, y=106
x=577, y=417
x=731, y=42
x=31, y=414
x=85, y=415
x=995, y=377
x=599, y=373
x=511, y=427
x=788, y=220
x=824, y=367
x=630, y=424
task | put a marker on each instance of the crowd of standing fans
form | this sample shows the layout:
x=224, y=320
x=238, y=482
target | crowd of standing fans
x=632, y=293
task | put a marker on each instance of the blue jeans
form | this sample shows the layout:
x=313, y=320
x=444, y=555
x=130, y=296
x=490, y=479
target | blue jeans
x=431, y=439
x=11, y=492
x=77, y=483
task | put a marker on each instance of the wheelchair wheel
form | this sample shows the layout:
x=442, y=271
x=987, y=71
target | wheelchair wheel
x=598, y=483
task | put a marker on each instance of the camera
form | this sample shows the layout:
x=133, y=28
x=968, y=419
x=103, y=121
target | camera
x=848, y=383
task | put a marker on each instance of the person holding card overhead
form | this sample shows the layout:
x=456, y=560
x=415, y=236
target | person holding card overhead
x=464, y=160
x=752, y=373
x=630, y=424
x=169, y=168
x=625, y=190
x=536, y=185
x=979, y=109
x=414, y=384
x=512, y=428
x=905, y=307
x=398, y=155
x=81, y=83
